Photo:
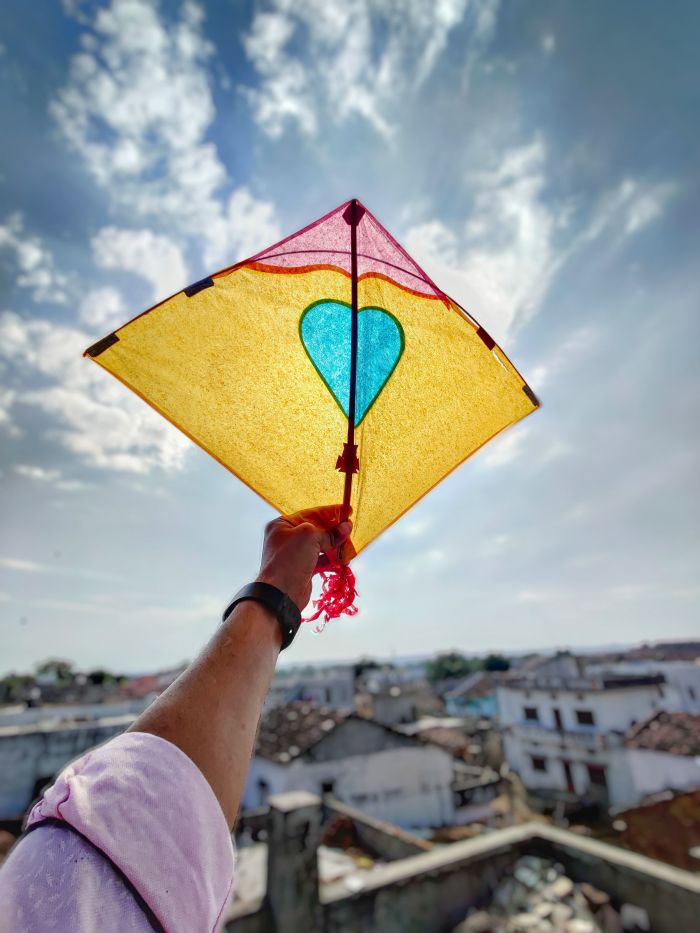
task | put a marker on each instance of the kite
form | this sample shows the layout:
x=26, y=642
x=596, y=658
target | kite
x=326, y=368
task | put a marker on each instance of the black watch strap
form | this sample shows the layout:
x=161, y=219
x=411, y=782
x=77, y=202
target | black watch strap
x=285, y=609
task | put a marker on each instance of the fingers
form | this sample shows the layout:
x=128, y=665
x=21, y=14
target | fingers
x=324, y=517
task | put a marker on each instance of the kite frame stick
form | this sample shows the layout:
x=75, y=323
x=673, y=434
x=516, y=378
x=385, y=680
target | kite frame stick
x=350, y=448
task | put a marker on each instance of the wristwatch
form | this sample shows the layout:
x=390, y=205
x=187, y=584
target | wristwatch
x=285, y=609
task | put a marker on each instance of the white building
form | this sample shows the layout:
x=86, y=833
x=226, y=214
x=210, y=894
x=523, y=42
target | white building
x=564, y=730
x=32, y=753
x=682, y=693
x=663, y=754
x=325, y=686
x=388, y=775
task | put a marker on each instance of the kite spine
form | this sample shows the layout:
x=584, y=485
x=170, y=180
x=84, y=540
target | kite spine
x=351, y=451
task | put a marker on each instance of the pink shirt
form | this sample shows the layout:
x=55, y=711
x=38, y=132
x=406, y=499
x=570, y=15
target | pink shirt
x=149, y=847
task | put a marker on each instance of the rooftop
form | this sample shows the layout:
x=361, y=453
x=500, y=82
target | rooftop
x=590, y=684
x=289, y=731
x=677, y=733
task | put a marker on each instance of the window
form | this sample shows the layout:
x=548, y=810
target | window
x=263, y=791
x=531, y=713
x=691, y=693
x=538, y=764
x=584, y=717
x=327, y=787
x=596, y=776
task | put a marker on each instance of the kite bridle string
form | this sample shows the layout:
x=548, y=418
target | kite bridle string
x=350, y=449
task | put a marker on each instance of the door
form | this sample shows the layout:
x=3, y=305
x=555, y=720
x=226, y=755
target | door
x=568, y=776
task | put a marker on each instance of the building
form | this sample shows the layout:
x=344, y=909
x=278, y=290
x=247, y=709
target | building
x=564, y=729
x=435, y=890
x=327, y=686
x=361, y=762
x=402, y=702
x=32, y=753
x=474, y=695
x=663, y=753
x=682, y=678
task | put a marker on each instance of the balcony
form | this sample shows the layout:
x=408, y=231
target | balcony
x=589, y=738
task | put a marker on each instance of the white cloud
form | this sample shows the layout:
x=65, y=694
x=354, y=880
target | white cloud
x=94, y=417
x=243, y=229
x=501, y=265
x=7, y=399
x=548, y=43
x=23, y=566
x=51, y=476
x=627, y=210
x=39, y=473
x=36, y=269
x=137, y=108
x=568, y=353
x=506, y=447
x=502, y=261
x=103, y=308
x=342, y=58
x=153, y=256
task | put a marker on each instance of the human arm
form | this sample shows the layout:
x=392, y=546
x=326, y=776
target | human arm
x=211, y=712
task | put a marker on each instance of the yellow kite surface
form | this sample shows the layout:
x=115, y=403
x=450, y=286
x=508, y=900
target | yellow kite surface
x=254, y=367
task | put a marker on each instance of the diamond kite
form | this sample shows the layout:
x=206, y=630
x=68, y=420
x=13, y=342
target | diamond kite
x=326, y=368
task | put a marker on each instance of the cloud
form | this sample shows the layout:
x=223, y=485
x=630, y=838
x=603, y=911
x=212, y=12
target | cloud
x=39, y=473
x=137, y=107
x=93, y=416
x=152, y=256
x=548, y=43
x=243, y=229
x=506, y=447
x=36, y=269
x=567, y=353
x=51, y=476
x=7, y=399
x=501, y=264
x=23, y=566
x=502, y=261
x=344, y=58
x=627, y=209
x=103, y=308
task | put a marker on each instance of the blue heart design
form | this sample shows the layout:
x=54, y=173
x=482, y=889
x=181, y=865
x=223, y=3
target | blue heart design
x=325, y=330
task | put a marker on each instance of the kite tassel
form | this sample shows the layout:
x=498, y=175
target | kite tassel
x=338, y=594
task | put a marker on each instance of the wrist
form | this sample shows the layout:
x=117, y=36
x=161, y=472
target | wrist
x=258, y=621
x=275, y=602
x=292, y=588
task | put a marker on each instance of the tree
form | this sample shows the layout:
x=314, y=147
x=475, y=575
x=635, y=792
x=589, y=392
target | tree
x=496, y=662
x=450, y=665
x=57, y=670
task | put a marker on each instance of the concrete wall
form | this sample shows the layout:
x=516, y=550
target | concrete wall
x=682, y=677
x=385, y=840
x=652, y=772
x=432, y=892
x=410, y=786
x=28, y=756
x=519, y=751
x=613, y=710
x=57, y=713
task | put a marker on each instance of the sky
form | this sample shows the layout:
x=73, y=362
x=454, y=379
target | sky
x=538, y=159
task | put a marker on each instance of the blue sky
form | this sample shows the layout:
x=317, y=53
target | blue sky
x=540, y=160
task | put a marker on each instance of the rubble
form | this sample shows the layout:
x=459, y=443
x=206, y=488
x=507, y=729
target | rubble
x=538, y=897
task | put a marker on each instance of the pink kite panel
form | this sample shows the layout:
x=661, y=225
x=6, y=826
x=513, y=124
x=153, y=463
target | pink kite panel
x=327, y=243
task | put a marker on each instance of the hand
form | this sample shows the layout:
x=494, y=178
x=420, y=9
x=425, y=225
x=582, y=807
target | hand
x=295, y=545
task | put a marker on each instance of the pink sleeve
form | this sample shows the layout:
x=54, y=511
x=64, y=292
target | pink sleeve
x=146, y=805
